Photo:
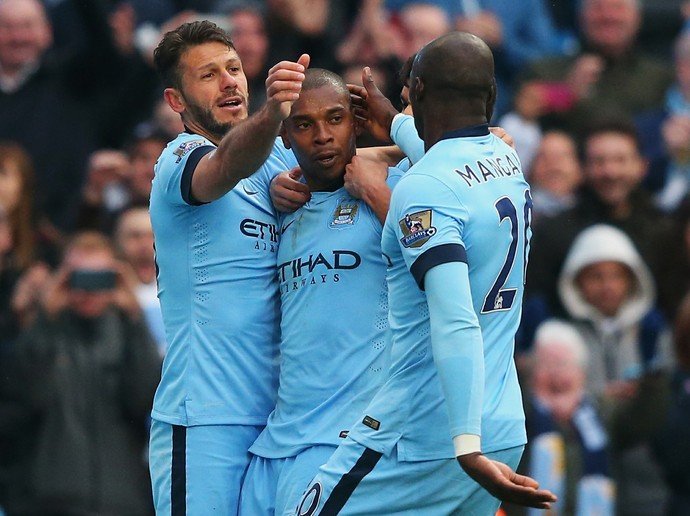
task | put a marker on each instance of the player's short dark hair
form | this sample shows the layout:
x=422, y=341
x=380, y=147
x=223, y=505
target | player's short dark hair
x=318, y=77
x=175, y=43
x=404, y=72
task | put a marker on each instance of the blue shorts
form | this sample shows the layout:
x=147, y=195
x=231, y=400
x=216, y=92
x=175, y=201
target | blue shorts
x=360, y=481
x=198, y=470
x=273, y=485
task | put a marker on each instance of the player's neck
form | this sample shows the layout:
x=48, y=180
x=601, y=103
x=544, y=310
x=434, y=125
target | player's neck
x=437, y=124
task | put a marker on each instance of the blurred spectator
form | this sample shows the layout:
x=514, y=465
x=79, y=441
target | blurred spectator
x=134, y=242
x=517, y=32
x=314, y=27
x=104, y=192
x=555, y=174
x=609, y=75
x=60, y=106
x=673, y=442
x=419, y=23
x=567, y=450
x=606, y=286
x=667, y=135
x=248, y=32
x=611, y=194
x=376, y=39
x=39, y=109
x=608, y=293
x=143, y=151
x=674, y=275
x=87, y=369
x=527, y=133
x=117, y=178
x=165, y=120
x=16, y=198
x=662, y=21
x=23, y=255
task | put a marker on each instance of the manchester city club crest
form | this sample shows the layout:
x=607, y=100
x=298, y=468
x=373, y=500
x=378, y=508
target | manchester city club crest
x=416, y=229
x=345, y=214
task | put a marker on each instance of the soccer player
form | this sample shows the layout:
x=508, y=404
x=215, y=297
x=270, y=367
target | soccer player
x=335, y=339
x=456, y=242
x=216, y=238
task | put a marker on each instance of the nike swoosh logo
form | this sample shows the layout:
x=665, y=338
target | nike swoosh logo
x=282, y=231
x=248, y=192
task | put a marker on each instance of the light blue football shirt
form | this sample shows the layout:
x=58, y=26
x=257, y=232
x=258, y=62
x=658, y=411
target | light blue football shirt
x=466, y=201
x=335, y=340
x=218, y=291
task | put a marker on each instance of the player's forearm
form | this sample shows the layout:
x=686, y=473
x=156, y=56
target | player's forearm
x=246, y=147
x=457, y=345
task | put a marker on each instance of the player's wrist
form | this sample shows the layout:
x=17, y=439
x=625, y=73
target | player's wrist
x=465, y=444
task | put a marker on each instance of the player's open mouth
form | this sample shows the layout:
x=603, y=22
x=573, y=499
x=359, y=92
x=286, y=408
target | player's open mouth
x=326, y=158
x=233, y=103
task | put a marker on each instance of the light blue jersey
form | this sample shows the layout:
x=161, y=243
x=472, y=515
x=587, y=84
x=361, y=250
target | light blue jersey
x=218, y=291
x=335, y=343
x=335, y=339
x=447, y=209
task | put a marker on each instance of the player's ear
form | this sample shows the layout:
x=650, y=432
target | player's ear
x=174, y=99
x=418, y=88
x=283, y=136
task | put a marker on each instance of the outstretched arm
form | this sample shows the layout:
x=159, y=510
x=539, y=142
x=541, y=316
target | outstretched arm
x=246, y=146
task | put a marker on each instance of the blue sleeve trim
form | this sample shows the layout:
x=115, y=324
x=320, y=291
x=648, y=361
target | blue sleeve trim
x=188, y=172
x=444, y=253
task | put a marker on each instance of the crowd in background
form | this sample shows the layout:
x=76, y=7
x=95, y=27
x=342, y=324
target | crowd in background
x=596, y=94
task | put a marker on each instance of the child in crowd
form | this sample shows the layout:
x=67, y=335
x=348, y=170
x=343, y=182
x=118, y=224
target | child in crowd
x=609, y=293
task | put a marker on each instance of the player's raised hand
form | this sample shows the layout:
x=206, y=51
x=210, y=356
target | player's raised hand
x=283, y=85
x=503, y=483
x=376, y=108
x=288, y=193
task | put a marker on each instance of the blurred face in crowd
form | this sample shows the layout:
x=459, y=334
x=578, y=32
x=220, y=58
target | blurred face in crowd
x=134, y=238
x=24, y=33
x=556, y=167
x=605, y=285
x=321, y=132
x=10, y=185
x=422, y=23
x=90, y=303
x=214, y=92
x=250, y=40
x=613, y=167
x=5, y=233
x=610, y=25
x=682, y=63
x=167, y=119
x=143, y=156
x=558, y=379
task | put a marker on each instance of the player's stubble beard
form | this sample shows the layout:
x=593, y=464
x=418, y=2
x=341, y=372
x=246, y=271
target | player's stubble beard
x=205, y=118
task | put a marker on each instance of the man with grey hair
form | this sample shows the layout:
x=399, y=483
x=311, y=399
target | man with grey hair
x=609, y=74
x=567, y=449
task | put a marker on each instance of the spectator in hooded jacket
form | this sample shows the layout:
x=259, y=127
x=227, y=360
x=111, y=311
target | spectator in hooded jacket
x=608, y=292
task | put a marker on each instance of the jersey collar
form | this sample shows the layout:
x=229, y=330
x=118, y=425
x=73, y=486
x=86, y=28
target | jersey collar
x=466, y=132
